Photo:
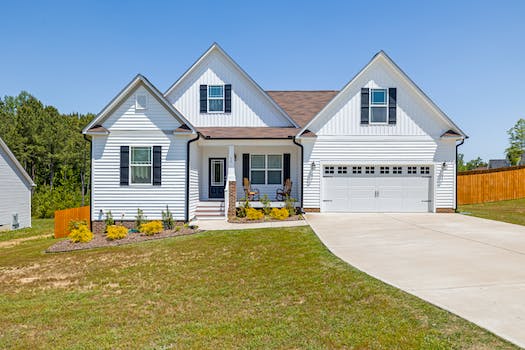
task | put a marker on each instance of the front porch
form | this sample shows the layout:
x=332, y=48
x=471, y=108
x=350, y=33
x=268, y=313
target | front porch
x=218, y=169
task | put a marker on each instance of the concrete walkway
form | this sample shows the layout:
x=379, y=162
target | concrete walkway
x=224, y=225
x=472, y=267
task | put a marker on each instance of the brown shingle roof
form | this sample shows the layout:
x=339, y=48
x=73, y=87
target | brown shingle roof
x=248, y=132
x=302, y=106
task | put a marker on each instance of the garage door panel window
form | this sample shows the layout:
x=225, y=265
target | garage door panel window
x=412, y=170
x=266, y=169
x=397, y=170
x=342, y=170
x=356, y=170
x=424, y=170
x=384, y=170
x=370, y=170
x=329, y=170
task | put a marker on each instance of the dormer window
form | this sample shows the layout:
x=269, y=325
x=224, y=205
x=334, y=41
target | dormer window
x=141, y=102
x=215, y=98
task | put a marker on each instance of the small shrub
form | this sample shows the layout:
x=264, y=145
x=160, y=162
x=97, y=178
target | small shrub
x=75, y=224
x=254, y=214
x=139, y=218
x=241, y=211
x=116, y=232
x=167, y=219
x=266, y=205
x=151, y=228
x=279, y=213
x=109, y=220
x=81, y=234
x=289, y=204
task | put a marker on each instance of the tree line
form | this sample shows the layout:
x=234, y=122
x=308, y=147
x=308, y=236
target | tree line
x=515, y=153
x=52, y=149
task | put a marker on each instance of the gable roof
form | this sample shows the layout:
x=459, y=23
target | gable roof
x=216, y=48
x=381, y=55
x=94, y=126
x=302, y=106
x=15, y=161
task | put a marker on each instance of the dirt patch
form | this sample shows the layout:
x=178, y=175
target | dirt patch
x=14, y=242
x=237, y=220
x=99, y=241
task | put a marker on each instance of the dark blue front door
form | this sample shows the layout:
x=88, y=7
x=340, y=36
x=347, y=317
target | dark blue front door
x=217, y=177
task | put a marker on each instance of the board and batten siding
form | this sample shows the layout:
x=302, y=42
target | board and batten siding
x=127, y=126
x=15, y=194
x=413, y=140
x=249, y=108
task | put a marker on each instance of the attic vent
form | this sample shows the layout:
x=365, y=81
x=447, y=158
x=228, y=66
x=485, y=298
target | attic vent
x=15, y=224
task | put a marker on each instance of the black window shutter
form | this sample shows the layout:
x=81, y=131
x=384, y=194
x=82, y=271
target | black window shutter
x=245, y=165
x=157, y=166
x=392, y=105
x=286, y=166
x=227, y=98
x=124, y=165
x=365, y=92
x=204, y=98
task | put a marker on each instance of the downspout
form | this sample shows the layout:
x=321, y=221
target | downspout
x=187, y=214
x=457, y=146
x=90, y=180
x=301, y=173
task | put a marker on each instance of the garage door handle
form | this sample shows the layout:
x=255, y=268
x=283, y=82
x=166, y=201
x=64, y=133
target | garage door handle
x=327, y=200
x=426, y=201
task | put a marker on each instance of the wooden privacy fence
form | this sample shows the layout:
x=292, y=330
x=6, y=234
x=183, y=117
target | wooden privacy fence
x=491, y=185
x=63, y=217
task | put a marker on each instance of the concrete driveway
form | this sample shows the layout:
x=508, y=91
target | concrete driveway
x=472, y=267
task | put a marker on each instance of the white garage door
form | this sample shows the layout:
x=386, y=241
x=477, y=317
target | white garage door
x=376, y=188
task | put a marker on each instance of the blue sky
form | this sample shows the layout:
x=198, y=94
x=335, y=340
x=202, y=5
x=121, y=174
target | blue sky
x=468, y=56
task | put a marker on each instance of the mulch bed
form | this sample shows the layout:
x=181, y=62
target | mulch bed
x=237, y=220
x=101, y=240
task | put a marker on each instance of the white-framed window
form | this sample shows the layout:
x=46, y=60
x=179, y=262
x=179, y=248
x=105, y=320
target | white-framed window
x=329, y=170
x=397, y=170
x=356, y=170
x=141, y=165
x=141, y=102
x=424, y=170
x=378, y=106
x=266, y=169
x=342, y=170
x=384, y=170
x=215, y=98
x=370, y=170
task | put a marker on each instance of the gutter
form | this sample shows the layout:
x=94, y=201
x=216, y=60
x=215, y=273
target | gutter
x=187, y=214
x=90, y=180
x=301, y=172
x=456, y=180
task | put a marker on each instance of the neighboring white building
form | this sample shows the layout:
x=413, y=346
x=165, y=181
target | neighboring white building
x=378, y=145
x=15, y=192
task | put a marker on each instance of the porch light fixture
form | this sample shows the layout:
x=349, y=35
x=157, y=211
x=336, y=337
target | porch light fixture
x=444, y=165
x=313, y=165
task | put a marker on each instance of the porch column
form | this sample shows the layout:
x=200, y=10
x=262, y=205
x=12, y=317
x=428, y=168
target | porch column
x=232, y=187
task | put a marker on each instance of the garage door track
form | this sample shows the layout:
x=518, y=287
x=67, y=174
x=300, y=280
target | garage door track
x=472, y=267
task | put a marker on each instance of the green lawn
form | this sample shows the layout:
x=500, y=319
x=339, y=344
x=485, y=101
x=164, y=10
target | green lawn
x=261, y=288
x=508, y=211
x=40, y=227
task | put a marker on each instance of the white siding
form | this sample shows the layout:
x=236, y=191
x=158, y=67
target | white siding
x=15, y=194
x=155, y=117
x=106, y=189
x=129, y=127
x=414, y=116
x=249, y=105
x=208, y=150
x=370, y=150
x=195, y=168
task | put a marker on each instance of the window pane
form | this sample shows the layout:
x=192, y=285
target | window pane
x=218, y=173
x=141, y=155
x=378, y=96
x=274, y=177
x=275, y=161
x=258, y=162
x=141, y=174
x=257, y=177
x=215, y=105
x=378, y=115
x=215, y=91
